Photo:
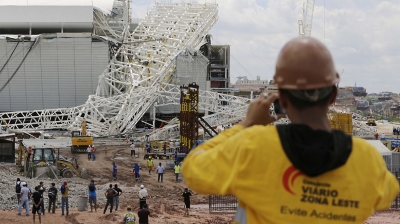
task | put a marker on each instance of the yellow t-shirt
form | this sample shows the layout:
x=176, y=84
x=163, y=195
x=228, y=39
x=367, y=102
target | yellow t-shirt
x=252, y=165
x=66, y=192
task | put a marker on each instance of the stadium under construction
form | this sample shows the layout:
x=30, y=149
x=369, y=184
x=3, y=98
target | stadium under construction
x=100, y=67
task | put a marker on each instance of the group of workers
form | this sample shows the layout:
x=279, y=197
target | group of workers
x=173, y=146
x=91, y=151
x=112, y=195
x=24, y=194
x=160, y=169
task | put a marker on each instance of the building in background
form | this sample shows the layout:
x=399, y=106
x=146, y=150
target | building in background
x=218, y=69
x=245, y=87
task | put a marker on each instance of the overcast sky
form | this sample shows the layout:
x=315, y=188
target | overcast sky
x=363, y=35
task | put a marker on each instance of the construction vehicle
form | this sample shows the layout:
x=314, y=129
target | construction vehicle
x=40, y=159
x=371, y=120
x=23, y=156
x=80, y=140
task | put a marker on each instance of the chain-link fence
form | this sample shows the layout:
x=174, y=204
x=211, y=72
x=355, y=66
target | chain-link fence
x=222, y=204
x=393, y=164
x=396, y=202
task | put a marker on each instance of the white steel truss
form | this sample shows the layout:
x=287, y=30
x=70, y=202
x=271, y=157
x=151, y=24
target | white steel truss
x=144, y=60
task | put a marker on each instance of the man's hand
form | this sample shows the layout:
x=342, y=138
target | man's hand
x=258, y=111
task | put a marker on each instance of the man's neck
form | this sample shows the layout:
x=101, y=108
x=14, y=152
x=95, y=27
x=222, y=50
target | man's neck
x=315, y=119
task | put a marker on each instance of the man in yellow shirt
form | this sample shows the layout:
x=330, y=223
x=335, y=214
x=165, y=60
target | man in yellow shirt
x=310, y=173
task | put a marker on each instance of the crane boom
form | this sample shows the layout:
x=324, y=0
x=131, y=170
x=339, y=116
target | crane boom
x=305, y=24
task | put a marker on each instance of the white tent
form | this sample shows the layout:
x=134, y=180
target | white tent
x=380, y=147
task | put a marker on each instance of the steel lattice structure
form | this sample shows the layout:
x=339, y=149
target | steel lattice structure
x=142, y=65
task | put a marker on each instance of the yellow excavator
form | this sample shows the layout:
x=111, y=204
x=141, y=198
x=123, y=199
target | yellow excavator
x=80, y=140
x=45, y=157
x=371, y=120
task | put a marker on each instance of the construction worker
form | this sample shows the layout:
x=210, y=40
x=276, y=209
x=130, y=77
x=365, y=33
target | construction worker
x=148, y=148
x=64, y=197
x=89, y=151
x=18, y=186
x=142, y=196
x=144, y=214
x=133, y=149
x=186, y=199
x=129, y=217
x=110, y=193
x=116, y=196
x=53, y=195
x=24, y=198
x=177, y=169
x=36, y=204
x=184, y=148
x=92, y=196
x=308, y=169
x=136, y=170
x=114, y=171
x=171, y=146
x=42, y=189
x=150, y=164
x=165, y=147
x=160, y=172
x=30, y=151
x=176, y=145
x=93, y=153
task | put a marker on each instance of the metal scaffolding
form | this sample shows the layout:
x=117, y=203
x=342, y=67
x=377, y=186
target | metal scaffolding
x=189, y=115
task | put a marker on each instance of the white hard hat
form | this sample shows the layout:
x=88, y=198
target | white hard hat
x=141, y=186
x=23, y=183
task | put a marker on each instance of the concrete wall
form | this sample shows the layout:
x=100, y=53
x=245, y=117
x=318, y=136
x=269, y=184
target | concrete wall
x=45, y=19
x=188, y=71
x=58, y=73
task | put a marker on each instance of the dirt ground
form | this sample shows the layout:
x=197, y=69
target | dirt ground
x=165, y=200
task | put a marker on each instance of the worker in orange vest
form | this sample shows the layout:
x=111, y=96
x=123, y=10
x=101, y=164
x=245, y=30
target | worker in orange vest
x=93, y=153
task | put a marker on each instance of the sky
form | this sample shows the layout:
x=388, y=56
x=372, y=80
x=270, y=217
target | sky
x=362, y=35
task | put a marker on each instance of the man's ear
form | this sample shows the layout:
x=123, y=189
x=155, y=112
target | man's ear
x=284, y=101
x=333, y=95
